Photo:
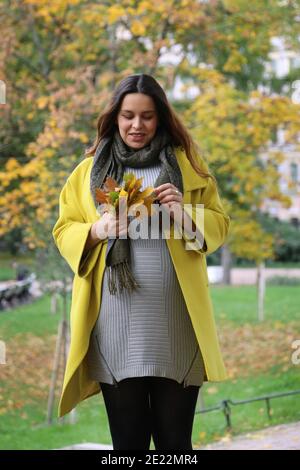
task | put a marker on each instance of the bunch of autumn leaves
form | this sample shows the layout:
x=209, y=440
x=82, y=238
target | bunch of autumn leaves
x=133, y=198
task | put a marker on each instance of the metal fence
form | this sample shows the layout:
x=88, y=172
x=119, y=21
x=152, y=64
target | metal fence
x=226, y=405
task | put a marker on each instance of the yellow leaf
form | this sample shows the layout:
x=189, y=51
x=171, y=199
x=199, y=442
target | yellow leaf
x=114, y=13
x=83, y=137
x=132, y=183
x=135, y=190
x=12, y=164
x=137, y=28
x=212, y=390
x=147, y=192
x=42, y=102
x=123, y=193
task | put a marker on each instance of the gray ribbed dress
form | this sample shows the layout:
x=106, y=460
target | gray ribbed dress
x=146, y=332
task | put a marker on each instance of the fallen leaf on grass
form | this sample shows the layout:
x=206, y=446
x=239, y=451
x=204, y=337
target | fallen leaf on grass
x=212, y=390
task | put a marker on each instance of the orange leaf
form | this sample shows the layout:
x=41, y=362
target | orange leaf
x=110, y=184
x=101, y=196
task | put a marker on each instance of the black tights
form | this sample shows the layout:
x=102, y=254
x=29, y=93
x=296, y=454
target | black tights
x=139, y=407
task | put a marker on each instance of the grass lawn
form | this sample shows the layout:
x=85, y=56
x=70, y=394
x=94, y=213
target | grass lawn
x=258, y=358
x=239, y=303
x=7, y=272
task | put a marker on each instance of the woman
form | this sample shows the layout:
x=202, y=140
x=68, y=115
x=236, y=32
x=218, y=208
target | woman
x=142, y=326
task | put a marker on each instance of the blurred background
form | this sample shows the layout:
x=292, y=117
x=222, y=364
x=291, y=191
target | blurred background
x=231, y=69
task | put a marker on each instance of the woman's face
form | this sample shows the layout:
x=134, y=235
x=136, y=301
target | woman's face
x=137, y=120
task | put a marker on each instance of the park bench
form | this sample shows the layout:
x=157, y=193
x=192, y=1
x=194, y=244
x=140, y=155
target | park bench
x=13, y=293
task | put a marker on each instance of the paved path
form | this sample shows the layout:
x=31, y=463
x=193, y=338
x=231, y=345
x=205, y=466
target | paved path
x=88, y=446
x=283, y=437
x=247, y=276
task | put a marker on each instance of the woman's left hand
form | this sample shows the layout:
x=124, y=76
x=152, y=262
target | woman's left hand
x=170, y=197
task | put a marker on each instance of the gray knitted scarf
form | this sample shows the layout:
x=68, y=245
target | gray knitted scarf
x=111, y=155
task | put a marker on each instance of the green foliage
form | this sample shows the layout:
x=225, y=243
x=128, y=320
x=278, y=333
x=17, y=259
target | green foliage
x=128, y=177
x=114, y=196
x=12, y=241
x=8, y=271
x=286, y=238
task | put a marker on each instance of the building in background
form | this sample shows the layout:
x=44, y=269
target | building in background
x=282, y=62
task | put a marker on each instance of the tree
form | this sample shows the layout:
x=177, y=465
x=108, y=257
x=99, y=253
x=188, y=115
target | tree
x=63, y=59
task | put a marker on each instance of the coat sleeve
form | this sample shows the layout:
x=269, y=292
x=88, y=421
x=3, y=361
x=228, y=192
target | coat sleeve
x=70, y=233
x=211, y=221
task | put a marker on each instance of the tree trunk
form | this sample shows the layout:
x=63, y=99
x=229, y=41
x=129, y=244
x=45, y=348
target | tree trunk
x=54, y=300
x=261, y=287
x=60, y=358
x=55, y=371
x=226, y=260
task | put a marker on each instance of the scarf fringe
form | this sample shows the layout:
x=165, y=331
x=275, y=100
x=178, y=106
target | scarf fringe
x=121, y=273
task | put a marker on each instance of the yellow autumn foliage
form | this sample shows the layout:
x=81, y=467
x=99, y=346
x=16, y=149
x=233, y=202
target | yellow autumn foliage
x=58, y=88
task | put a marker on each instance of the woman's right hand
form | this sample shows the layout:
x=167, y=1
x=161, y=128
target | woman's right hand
x=109, y=226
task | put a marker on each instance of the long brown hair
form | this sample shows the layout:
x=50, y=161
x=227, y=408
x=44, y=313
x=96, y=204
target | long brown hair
x=146, y=84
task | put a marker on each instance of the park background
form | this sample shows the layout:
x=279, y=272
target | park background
x=230, y=69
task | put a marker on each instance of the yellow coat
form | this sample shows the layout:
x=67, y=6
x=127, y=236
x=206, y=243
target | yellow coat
x=77, y=213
